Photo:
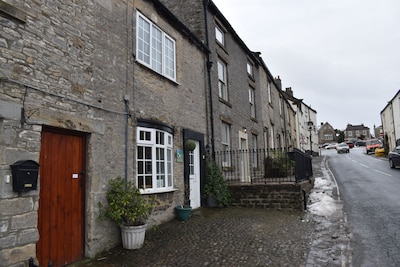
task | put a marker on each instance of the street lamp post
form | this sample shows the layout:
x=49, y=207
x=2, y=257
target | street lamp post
x=310, y=127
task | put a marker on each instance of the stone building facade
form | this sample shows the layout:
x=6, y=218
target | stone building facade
x=390, y=117
x=326, y=134
x=306, y=123
x=71, y=71
x=88, y=88
x=355, y=132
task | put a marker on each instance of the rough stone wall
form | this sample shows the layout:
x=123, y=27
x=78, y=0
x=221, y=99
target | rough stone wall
x=180, y=103
x=71, y=65
x=190, y=13
x=272, y=197
x=67, y=65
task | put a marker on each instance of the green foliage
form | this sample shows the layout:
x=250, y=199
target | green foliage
x=278, y=165
x=215, y=185
x=190, y=145
x=126, y=205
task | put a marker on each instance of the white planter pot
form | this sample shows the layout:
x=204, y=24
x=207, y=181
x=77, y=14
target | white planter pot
x=133, y=236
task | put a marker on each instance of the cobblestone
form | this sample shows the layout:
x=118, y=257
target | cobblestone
x=240, y=237
x=221, y=237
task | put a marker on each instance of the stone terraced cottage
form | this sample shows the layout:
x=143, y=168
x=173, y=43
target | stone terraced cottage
x=90, y=89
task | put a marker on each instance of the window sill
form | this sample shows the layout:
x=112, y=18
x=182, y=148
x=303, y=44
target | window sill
x=157, y=191
x=225, y=102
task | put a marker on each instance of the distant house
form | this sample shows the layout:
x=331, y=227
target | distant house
x=357, y=132
x=326, y=133
x=390, y=117
x=306, y=123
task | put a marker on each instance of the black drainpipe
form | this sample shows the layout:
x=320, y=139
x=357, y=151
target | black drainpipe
x=126, y=100
x=209, y=65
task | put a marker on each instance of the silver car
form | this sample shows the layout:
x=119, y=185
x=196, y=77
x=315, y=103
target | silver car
x=342, y=148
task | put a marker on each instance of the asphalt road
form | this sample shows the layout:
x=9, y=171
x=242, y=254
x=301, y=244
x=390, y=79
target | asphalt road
x=370, y=191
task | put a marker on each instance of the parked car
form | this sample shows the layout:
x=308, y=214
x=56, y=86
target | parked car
x=331, y=146
x=324, y=145
x=371, y=145
x=394, y=157
x=350, y=144
x=360, y=143
x=342, y=148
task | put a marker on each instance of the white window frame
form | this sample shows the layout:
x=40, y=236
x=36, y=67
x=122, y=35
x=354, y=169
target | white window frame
x=272, y=136
x=222, y=80
x=250, y=69
x=252, y=103
x=160, y=164
x=154, y=48
x=269, y=92
x=226, y=144
x=219, y=35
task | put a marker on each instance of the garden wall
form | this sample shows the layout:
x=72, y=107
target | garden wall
x=291, y=196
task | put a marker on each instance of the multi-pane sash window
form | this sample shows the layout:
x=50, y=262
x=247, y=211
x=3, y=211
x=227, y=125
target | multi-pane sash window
x=226, y=144
x=154, y=160
x=222, y=88
x=252, y=103
x=155, y=48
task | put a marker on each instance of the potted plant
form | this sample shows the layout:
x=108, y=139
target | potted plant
x=216, y=188
x=183, y=212
x=128, y=208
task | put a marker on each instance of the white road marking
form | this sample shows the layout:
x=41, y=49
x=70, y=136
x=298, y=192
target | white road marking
x=387, y=174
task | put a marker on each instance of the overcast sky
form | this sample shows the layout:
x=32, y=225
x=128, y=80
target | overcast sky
x=342, y=57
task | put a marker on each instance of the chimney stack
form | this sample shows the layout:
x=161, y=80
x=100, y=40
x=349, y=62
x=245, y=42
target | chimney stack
x=289, y=91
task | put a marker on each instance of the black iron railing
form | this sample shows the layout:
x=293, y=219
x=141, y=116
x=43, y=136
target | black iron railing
x=264, y=165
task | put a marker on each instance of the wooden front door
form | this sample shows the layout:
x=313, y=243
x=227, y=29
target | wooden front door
x=61, y=199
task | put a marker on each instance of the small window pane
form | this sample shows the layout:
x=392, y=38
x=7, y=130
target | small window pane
x=219, y=35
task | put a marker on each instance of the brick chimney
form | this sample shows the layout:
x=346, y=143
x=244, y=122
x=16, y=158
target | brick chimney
x=289, y=91
x=278, y=83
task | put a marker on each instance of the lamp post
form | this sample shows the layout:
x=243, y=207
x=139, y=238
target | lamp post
x=310, y=127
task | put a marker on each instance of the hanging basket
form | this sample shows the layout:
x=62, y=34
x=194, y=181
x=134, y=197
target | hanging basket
x=190, y=145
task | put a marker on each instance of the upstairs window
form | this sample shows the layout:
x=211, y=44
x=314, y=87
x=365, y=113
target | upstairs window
x=219, y=36
x=250, y=70
x=154, y=48
x=222, y=88
x=269, y=93
x=252, y=103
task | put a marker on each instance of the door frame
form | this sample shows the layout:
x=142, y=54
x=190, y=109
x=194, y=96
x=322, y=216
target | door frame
x=244, y=169
x=199, y=137
x=82, y=175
